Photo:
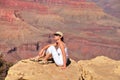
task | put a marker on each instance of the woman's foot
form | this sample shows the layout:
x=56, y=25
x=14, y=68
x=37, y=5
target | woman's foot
x=36, y=59
x=43, y=62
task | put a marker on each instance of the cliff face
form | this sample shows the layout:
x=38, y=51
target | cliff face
x=100, y=68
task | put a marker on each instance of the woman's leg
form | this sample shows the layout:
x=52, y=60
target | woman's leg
x=51, y=51
x=40, y=55
x=48, y=56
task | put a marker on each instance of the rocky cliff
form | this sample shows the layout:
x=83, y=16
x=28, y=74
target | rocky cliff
x=100, y=68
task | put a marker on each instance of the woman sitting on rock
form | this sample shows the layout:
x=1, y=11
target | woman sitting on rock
x=58, y=51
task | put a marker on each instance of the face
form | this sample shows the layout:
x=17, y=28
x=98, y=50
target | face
x=56, y=37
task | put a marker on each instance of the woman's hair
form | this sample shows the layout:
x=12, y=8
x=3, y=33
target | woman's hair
x=62, y=39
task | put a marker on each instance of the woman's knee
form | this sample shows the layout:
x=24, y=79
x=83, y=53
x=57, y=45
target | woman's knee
x=50, y=48
x=59, y=63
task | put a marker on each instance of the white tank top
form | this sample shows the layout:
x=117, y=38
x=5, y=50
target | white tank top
x=60, y=52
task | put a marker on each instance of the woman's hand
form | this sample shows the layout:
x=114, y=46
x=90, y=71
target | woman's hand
x=63, y=67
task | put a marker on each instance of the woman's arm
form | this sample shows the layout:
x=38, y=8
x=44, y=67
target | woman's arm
x=63, y=54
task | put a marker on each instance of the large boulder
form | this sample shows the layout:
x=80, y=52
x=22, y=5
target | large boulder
x=100, y=68
x=28, y=70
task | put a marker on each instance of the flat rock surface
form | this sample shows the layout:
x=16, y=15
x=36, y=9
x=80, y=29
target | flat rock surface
x=28, y=70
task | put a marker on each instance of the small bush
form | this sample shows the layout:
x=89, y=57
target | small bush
x=4, y=67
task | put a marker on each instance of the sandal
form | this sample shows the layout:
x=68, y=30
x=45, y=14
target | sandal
x=33, y=59
x=36, y=59
x=43, y=62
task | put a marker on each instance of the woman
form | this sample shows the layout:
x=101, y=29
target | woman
x=57, y=51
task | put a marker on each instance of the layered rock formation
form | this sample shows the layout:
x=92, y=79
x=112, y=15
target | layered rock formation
x=95, y=69
x=110, y=6
x=23, y=5
x=25, y=25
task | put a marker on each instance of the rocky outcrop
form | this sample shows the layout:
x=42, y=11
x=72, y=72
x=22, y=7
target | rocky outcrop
x=87, y=49
x=27, y=70
x=95, y=69
x=100, y=68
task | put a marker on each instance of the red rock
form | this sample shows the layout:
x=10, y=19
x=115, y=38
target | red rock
x=88, y=49
x=7, y=14
x=28, y=47
x=24, y=5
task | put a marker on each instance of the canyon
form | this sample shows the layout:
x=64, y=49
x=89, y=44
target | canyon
x=27, y=25
x=92, y=34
